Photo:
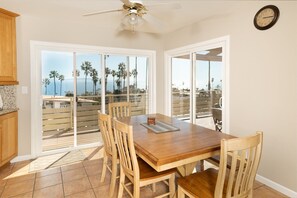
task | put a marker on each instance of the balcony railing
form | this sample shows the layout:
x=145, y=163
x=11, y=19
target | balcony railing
x=205, y=101
x=58, y=115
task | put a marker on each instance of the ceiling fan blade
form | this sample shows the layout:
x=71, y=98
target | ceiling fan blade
x=170, y=5
x=101, y=12
x=155, y=22
x=128, y=3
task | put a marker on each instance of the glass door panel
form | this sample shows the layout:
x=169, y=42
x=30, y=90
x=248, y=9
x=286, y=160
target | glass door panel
x=116, y=79
x=57, y=100
x=88, y=91
x=181, y=87
x=126, y=79
x=209, y=70
x=138, y=89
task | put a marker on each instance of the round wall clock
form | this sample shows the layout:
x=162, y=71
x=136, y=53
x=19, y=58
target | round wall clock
x=266, y=17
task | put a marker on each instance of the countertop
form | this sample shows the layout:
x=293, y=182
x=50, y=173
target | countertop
x=5, y=111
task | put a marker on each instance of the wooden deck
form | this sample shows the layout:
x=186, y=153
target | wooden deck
x=60, y=140
x=66, y=140
x=58, y=121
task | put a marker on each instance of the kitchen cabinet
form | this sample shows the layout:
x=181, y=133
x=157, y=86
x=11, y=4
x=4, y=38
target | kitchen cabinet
x=8, y=137
x=8, y=66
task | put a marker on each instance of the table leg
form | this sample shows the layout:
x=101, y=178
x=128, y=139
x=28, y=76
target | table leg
x=186, y=169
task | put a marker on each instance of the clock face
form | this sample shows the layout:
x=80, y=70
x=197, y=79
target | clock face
x=266, y=17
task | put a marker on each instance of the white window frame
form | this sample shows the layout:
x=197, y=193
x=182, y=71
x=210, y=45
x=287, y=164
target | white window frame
x=36, y=86
x=190, y=49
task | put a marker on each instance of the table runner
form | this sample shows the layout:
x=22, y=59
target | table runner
x=160, y=127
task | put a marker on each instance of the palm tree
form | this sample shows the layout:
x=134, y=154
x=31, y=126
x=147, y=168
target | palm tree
x=54, y=74
x=61, y=78
x=121, y=68
x=118, y=82
x=46, y=82
x=125, y=74
x=86, y=67
x=134, y=73
x=94, y=75
x=77, y=73
x=95, y=80
x=113, y=74
x=107, y=72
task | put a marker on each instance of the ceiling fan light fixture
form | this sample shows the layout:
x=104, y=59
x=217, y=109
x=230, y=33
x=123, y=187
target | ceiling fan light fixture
x=132, y=18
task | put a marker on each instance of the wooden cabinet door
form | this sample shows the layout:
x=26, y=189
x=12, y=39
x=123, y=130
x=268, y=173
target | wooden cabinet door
x=9, y=136
x=7, y=48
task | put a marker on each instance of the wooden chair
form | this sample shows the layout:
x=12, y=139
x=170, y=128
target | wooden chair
x=217, y=118
x=234, y=182
x=119, y=109
x=138, y=172
x=110, y=150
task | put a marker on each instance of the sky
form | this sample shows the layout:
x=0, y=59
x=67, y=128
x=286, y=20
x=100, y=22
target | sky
x=181, y=73
x=62, y=62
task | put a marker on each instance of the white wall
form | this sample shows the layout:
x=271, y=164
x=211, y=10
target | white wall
x=29, y=28
x=263, y=81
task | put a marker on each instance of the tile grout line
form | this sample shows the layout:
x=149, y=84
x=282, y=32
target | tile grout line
x=34, y=185
x=90, y=181
x=62, y=181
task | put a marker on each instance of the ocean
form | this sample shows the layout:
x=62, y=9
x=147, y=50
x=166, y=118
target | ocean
x=68, y=86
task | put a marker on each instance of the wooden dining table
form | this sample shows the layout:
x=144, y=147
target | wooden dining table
x=180, y=149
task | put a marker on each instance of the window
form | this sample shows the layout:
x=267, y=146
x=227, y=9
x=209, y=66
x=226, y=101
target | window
x=74, y=82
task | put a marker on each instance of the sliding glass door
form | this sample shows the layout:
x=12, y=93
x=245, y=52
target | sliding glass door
x=75, y=84
x=71, y=99
x=181, y=87
x=88, y=97
x=126, y=79
x=197, y=79
x=57, y=100
x=208, y=88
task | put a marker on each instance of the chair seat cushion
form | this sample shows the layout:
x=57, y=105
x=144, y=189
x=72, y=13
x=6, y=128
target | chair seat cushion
x=147, y=172
x=200, y=184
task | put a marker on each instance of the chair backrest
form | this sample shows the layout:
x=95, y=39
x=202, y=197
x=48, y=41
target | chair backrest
x=125, y=144
x=119, y=109
x=245, y=154
x=104, y=122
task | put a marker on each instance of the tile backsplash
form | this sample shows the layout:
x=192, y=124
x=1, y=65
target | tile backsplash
x=8, y=94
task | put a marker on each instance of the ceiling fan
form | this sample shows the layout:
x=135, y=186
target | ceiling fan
x=134, y=10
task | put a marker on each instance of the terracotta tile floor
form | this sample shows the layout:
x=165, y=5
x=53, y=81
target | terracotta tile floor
x=78, y=180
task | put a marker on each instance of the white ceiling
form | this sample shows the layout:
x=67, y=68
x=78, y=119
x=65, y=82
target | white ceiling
x=163, y=18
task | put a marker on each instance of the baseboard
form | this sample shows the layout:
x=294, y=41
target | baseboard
x=21, y=158
x=276, y=186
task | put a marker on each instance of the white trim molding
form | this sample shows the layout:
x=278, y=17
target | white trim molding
x=282, y=189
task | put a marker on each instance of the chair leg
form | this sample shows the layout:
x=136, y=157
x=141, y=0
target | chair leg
x=201, y=165
x=121, y=183
x=172, y=185
x=136, y=190
x=113, y=177
x=104, y=167
x=154, y=187
x=180, y=193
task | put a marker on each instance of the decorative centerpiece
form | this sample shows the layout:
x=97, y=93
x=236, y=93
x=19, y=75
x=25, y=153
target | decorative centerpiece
x=151, y=120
